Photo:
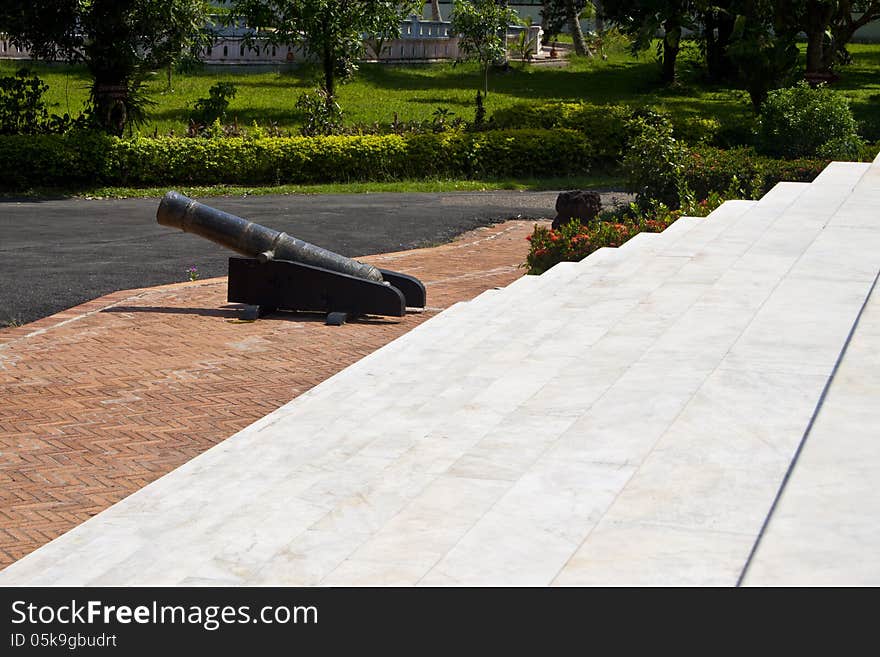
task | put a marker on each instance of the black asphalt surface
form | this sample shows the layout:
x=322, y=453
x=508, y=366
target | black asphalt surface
x=55, y=254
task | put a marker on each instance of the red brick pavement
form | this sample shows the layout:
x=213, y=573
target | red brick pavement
x=101, y=399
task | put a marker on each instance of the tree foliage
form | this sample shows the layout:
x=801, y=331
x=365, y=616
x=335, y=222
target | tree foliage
x=119, y=41
x=330, y=30
x=764, y=47
x=830, y=25
x=482, y=29
x=641, y=21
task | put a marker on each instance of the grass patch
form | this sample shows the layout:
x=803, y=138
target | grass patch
x=413, y=92
x=513, y=184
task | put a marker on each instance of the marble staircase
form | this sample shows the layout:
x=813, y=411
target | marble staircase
x=626, y=420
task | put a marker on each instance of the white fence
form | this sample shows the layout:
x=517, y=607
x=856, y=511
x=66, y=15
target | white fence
x=9, y=51
x=420, y=41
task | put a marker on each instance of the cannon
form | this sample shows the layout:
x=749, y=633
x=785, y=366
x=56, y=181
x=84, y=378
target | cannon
x=281, y=272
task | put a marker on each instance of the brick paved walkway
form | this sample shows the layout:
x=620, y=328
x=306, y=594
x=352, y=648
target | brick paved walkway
x=100, y=400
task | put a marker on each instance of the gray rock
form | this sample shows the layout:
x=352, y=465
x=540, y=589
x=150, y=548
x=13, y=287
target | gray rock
x=577, y=204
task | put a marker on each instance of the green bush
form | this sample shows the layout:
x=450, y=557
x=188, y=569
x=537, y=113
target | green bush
x=708, y=169
x=869, y=152
x=805, y=122
x=695, y=129
x=22, y=106
x=76, y=159
x=654, y=162
x=606, y=126
x=213, y=108
x=56, y=160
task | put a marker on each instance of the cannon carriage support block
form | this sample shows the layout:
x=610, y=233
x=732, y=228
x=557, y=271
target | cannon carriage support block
x=280, y=272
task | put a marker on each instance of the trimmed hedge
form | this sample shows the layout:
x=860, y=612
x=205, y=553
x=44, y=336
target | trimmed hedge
x=713, y=169
x=54, y=160
x=607, y=126
x=71, y=161
x=77, y=159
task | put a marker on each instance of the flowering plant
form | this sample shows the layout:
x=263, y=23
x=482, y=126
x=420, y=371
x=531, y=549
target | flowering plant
x=193, y=273
x=574, y=241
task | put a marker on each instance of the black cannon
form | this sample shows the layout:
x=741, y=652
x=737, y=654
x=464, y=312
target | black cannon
x=281, y=272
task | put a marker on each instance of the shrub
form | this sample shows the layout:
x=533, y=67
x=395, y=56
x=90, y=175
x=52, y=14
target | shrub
x=571, y=242
x=23, y=110
x=805, y=122
x=83, y=158
x=654, y=162
x=213, y=108
x=321, y=114
x=695, y=130
x=574, y=241
x=869, y=152
x=708, y=169
x=56, y=160
x=606, y=126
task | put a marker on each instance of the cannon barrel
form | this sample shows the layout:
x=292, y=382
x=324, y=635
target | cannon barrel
x=252, y=239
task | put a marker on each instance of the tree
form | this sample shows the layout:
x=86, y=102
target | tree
x=830, y=25
x=482, y=29
x=764, y=46
x=573, y=11
x=119, y=41
x=435, y=11
x=556, y=14
x=330, y=30
x=717, y=18
x=641, y=21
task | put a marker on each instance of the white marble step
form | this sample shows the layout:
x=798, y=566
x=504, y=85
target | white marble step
x=475, y=328
x=824, y=530
x=439, y=342
x=645, y=243
x=528, y=287
x=395, y=371
x=730, y=444
x=666, y=404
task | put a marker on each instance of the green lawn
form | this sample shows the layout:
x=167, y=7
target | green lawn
x=515, y=184
x=378, y=92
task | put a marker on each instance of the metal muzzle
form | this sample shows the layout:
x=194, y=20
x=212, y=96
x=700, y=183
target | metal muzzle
x=252, y=239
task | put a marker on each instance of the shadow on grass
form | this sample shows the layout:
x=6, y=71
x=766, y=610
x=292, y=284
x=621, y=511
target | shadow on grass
x=246, y=116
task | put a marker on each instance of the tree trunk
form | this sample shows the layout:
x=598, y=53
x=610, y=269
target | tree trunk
x=816, y=51
x=844, y=26
x=574, y=24
x=718, y=34
x=111, y=73
x=671, y=45
x=600, y=17
x=818, y=20
x=435, y=11
x=329, y=73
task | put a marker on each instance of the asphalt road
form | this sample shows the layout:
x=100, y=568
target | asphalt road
x=56, y=254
